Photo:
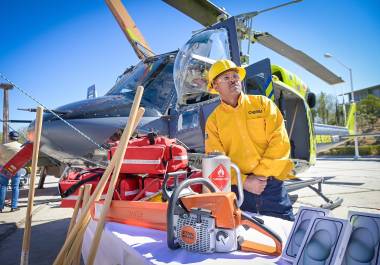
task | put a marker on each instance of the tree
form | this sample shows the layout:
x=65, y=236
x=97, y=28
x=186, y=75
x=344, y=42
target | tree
x=325, y=109
x=368, y=112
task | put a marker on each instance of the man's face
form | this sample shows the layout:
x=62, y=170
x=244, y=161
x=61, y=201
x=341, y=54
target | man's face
x=228, y=85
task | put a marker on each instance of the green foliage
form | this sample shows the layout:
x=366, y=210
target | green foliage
x=368, y=113
x=350, y=150
x=326, y=109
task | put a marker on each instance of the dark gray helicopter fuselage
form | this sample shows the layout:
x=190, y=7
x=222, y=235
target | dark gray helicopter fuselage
x=102, y=119
x=175, y=99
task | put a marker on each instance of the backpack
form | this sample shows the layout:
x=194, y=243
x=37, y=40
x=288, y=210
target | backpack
x=152, y=154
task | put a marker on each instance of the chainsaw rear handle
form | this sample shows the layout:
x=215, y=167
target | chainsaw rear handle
x=250, y=246
x=173, y=203
x=240, y=198
x=166, y=193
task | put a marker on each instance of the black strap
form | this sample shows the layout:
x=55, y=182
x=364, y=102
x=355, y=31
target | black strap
x=152, y=137
x=171, y=152
x=75, y=186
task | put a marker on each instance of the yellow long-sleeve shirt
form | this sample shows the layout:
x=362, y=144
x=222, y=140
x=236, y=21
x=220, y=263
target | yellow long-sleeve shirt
x=253, y=135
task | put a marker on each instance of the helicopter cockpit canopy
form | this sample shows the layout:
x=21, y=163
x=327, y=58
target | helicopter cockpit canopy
x=193, y=62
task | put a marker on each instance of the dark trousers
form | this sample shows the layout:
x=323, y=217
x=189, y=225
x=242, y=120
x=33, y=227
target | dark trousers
x=274, y=201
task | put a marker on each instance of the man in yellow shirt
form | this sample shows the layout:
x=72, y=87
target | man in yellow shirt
x=250, y=130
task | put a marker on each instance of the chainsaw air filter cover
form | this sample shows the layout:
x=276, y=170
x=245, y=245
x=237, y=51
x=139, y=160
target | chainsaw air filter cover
x=298, y=231
x=364, y=243
x=193, y=235
x=325, y=242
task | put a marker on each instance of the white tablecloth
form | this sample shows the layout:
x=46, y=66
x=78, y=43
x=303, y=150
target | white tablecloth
x=124, y=244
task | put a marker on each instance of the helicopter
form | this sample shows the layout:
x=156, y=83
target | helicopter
x=176, y=100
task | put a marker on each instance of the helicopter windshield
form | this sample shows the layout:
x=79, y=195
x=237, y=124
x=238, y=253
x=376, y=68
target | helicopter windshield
x=195, y=59
x=156, y=75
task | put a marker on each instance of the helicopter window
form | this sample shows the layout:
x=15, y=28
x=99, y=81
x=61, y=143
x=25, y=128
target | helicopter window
x=156, y=77
x=193, y=62
x=188, y=120
x=125, y=90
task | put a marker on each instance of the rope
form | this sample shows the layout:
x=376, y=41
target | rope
x=12, y=129
x=51, y=111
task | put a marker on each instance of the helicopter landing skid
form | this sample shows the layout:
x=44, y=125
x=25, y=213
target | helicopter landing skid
x=296, y=184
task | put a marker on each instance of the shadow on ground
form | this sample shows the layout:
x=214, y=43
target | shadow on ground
x=46, y=241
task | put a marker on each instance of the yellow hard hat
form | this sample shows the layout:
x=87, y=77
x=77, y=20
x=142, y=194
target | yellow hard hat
x=221, y=66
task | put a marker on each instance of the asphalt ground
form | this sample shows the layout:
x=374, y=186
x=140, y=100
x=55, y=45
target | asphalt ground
x=49, y=226
x=357, y=182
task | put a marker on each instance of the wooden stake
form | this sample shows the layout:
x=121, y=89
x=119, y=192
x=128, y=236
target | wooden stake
x=139, y=116
x=28, y=218
x=76, y=210
x=73, y=255
x=86, y=197
x=123, y=145
x=79, y=238
x=85, y=216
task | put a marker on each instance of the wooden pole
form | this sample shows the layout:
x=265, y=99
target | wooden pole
x=123, y=145
x=28, y=218
x=87, y=194
x=6, y=88
x=77, y=244
x=139, y=116
x=85, y=216
x=76, y=210
x=73, y=255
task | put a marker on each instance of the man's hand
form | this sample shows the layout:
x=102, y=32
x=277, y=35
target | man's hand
x=255, y=184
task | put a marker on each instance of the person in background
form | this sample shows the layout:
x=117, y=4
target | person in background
x=250, y=130
x=7, y=151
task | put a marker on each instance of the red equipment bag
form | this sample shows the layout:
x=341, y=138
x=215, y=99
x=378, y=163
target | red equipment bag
x=152, y=154
x=69, y=186
x=128, y=188
x=150, y=185
x=20, y=159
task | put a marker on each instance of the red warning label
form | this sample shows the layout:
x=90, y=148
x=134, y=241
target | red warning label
x=220, y=177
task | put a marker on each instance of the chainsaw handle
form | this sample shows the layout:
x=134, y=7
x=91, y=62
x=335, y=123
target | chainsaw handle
x=173, y=203
x=240, y=200
x=257, y=247
x=166, y=193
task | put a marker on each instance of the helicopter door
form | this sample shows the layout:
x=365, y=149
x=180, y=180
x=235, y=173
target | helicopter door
x=185, y=125
x=230, y=26
x=259, y=78
x=293, y=107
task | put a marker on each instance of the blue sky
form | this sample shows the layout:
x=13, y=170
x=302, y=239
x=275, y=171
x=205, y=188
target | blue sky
x=56, y=49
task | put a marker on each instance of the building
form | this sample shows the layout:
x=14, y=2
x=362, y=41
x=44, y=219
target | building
x=363, y=93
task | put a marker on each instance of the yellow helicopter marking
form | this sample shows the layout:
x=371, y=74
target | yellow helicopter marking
x=324, y=139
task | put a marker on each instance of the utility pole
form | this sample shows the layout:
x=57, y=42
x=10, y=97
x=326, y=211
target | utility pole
x=328, y=55
x=6, y=87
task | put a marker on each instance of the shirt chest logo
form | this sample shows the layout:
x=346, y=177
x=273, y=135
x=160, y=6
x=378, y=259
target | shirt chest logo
x=255, y=111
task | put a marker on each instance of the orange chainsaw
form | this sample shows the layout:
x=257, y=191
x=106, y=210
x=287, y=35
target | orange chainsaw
x=213, y=222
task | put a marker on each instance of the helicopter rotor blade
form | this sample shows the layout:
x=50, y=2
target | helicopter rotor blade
x=298, y=57
x=128, y=26
x=202, y=11
x=206, y=13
